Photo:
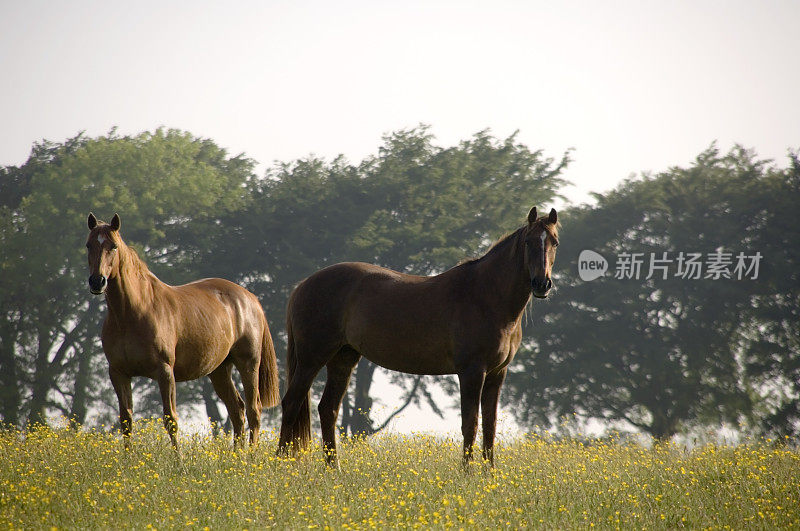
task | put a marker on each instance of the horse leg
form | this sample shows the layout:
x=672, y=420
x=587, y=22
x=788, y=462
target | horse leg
x=248, y=370
x=489, y=398
x=471, y=383
x=166, y=384
x=226, y=390
x=339, y=370
x=122, y=386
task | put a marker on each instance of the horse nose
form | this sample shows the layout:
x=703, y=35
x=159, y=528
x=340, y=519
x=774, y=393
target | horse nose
x=541, y=284
x=540, y=287
x=97, y=283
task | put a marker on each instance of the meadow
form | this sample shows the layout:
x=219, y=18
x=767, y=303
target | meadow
x=66, y=478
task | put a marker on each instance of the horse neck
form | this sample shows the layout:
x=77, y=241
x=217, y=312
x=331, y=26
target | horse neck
x=503, y=280
x=131, y=290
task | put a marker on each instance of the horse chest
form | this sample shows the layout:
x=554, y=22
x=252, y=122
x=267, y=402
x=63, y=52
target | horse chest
x=506, y=349
x=503, y=359
x=137, y=348
x=499, y=359
x=136, y=359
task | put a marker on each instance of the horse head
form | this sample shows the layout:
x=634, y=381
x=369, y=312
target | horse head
x=102, y=246
x=541, y=240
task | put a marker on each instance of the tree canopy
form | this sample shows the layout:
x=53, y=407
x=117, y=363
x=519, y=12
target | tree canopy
x=165, y=184
x=659, y=351
x=662, y=353
x=414, y=207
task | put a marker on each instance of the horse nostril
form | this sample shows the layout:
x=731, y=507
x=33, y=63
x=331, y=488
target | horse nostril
x=97, y=282
x=540, y=285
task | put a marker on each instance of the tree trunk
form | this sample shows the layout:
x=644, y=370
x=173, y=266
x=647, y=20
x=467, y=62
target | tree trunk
x=360, y=420
x=83, y=377
x=662, y=428
x=346, y=414
x=10, y=384
x=42, y=379
x=46, y=371
x=85, y=353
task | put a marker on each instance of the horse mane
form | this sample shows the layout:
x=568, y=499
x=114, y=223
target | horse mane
x=512, y=237
x=497, y=246
x=133, y=261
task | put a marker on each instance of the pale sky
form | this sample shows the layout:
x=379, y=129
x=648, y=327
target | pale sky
x=630, y=85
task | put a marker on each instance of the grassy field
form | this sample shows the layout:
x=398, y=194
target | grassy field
x=68, y=479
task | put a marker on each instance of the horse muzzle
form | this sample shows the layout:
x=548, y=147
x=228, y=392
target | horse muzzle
x=98, y=284
x=541, y=287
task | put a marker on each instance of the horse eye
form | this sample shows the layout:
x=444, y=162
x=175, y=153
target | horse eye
x=555, y=243
x=88, y=246
x=113, y=246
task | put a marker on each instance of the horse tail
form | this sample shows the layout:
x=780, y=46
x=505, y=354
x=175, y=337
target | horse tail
x=298, y=432
x=268, y=378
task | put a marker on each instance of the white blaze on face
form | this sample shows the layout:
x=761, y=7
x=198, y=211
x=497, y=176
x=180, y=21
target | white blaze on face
x=101, y=239
x=544, y=257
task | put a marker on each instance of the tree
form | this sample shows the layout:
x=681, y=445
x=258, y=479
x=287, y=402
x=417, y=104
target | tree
x=434, y=207
x=19, y=301
x=415, y=207
x=773, y=359
x=167, y=185
x=652, y=352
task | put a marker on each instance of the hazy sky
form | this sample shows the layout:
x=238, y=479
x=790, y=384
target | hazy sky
x=632, y=86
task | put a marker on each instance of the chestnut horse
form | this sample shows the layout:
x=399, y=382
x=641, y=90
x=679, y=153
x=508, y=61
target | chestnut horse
x=466, y=321
x=179, y=333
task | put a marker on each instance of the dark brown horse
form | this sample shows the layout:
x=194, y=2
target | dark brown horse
x=466, y=321
x=179, y=333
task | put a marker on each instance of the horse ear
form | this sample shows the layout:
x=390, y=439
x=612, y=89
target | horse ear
x=553, y=217
x=532, y=216
x=115, y=222
x=92, y=221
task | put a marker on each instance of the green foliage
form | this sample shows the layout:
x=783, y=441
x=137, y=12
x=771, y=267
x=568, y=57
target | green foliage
x=656, y=354
x=433, y=207
x=773, y=357
x=193, y=211
x=415, y=207
x=166, y=185
x=661, y=353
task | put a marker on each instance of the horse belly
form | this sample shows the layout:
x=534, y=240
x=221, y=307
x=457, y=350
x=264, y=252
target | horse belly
x=406, y=350
x=410, y=365
x=401, y=331
x=199, y=356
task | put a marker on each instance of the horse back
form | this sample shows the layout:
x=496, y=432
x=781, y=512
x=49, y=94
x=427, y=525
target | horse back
x=318, y=305
x=217, y=313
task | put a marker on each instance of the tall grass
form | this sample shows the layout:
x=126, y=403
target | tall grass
x=68, y=478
